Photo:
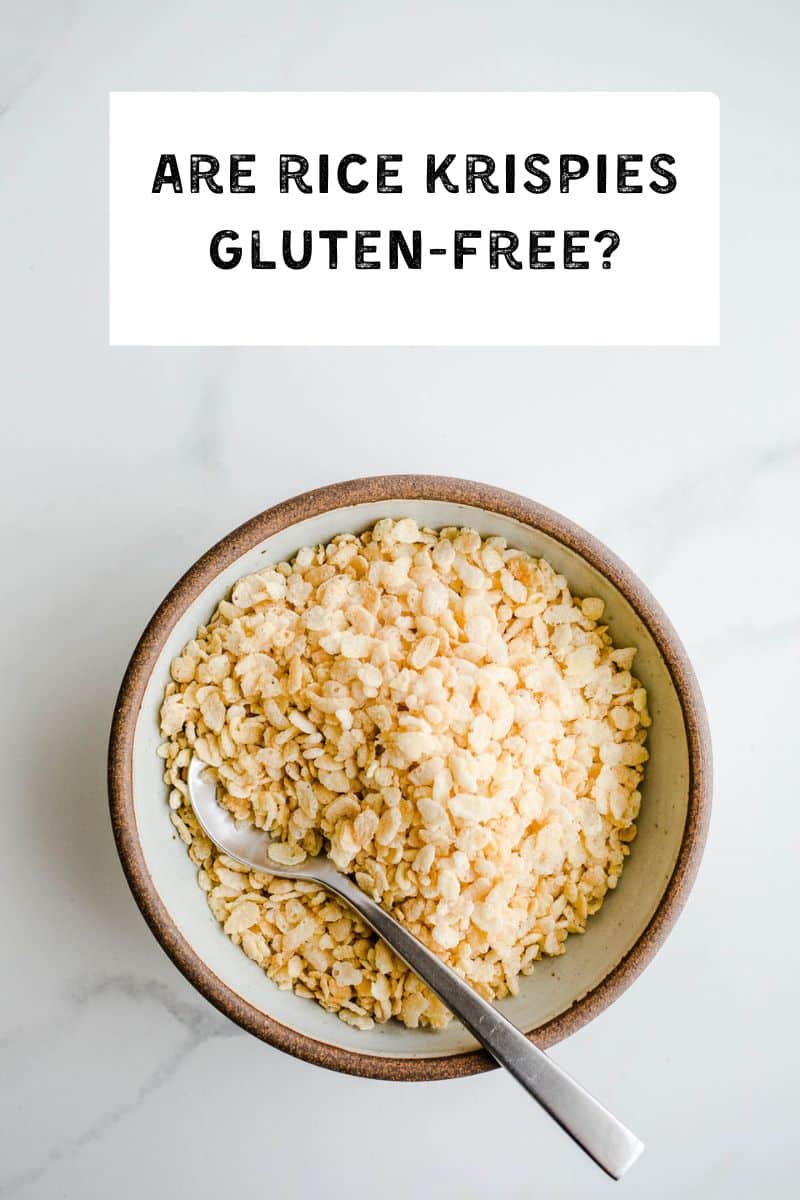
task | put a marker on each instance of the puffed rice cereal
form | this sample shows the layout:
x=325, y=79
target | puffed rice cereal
x=438, y=713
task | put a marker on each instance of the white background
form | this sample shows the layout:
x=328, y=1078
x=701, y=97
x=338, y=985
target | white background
x=121, y=466
x=661, y=289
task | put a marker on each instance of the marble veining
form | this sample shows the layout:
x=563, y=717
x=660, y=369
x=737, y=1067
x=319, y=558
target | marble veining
x=197, y=1023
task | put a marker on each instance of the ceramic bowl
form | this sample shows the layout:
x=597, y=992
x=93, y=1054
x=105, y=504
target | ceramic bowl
x=563, y=993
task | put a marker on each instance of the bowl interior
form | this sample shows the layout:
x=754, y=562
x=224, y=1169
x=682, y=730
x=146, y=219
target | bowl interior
x=556, y=983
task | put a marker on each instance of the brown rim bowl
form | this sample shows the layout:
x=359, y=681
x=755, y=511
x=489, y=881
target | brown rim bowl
x=564, y=993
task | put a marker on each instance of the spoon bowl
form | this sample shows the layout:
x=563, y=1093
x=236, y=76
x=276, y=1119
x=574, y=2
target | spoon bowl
x=238, y=839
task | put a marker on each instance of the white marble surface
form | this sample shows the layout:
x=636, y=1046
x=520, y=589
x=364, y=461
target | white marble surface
x=120, y=467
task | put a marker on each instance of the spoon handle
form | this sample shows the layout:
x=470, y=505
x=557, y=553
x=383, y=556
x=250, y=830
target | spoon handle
x=592, y=1126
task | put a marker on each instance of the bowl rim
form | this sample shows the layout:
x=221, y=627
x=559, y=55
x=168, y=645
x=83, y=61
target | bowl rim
x=344, y=495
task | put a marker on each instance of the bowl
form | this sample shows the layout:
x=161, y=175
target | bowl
x=563, y=993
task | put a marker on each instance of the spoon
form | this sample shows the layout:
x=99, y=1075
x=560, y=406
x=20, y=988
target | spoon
x=594, y=1128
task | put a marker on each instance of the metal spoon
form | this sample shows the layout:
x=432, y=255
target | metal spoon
x=592, y=1126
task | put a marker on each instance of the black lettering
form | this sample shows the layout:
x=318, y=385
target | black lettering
x=439, y=174
x=460, y=251
x=294, y=167
x=363, y=248
x=234, y=253
x=341, y=174
x=238, y=173
x=498, y=251
x=296, y=264
x=624, y=173
x=333, y=237
x=536, y=248
x=481, y=167
x=543, y=176
x=612, y=237
x=398, y=246
x=167, y=173
x=204, y=166
x=258, y=263
x=569, y=173
x=670, y=181
x=571, y=249
x=386, y=172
